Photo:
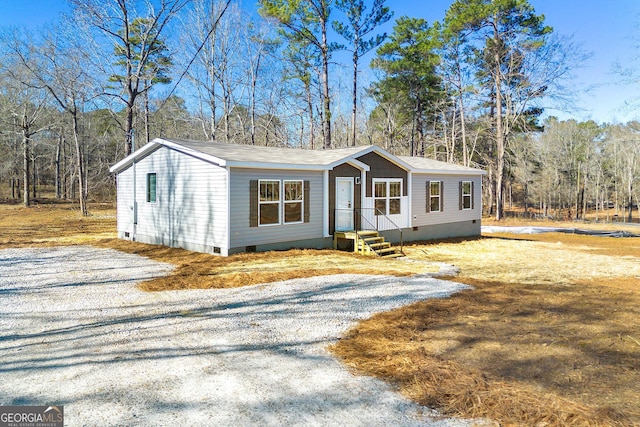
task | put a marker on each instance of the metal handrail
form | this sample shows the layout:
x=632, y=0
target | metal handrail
x=392, y=223
x=377, y=213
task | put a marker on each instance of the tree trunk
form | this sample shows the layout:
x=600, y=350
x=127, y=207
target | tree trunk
x=147, y=124
x=34, y=180
x=312, y=128
x=58, y=168
x=463, y=130
x=26, y=177
x=326, y=123
x=80, y=166
x=254, y=84
x=354, y=107
x=500, y=136
x=129, y=131
x=630, y=215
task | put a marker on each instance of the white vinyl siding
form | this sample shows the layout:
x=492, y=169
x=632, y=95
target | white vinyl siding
x=124, y=202
x=242, y=234
x=191, y=201
x=450, y=194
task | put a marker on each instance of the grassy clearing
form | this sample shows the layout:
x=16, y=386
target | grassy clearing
x=549, y=335
x=54, y=225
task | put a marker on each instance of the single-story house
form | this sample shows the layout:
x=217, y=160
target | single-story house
x=225, y=198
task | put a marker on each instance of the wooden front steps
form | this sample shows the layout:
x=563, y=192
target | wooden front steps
x=368, y=242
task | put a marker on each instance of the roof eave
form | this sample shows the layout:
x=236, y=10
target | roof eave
x=194, y=153
x=276, y=166
x=450, y=171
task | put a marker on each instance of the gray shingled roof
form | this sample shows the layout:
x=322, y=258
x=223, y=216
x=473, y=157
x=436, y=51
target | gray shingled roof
x=278, y=157
x=421, y=163
x=275, y=155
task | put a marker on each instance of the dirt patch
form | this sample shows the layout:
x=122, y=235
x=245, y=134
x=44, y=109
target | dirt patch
x=549, y=336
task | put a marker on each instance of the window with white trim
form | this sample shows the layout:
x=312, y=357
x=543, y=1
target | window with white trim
x=387, y=196
x=435, y=196
x=280, y=202
x=466, y=195
x=293, y=199
x=269, y=202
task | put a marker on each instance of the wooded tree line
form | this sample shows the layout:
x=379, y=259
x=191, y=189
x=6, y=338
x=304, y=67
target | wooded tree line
x=83, y=92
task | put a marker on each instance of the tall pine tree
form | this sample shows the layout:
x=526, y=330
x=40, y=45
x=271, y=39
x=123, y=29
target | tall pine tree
x=503, y=34
x=409, y=65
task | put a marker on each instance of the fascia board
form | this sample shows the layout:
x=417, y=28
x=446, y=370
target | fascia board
x=275, y=166
x=194, y=153
x=359, y=165
x=449, y=172
x=122, y=164
x=352, y=159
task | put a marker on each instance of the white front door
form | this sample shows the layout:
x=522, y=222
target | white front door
x=344, y=204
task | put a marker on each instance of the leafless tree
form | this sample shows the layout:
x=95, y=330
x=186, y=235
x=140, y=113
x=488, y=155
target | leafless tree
x=26, y=101
x=129, y=47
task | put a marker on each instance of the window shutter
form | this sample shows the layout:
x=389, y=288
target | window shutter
x=472, y=196
x=428, y=193
x=307, y=208
x=441, y=196
x=460, y=201
x=253, y=203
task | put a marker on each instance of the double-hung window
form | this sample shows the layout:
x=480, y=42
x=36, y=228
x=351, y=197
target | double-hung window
x=280, y=202
x=435, y=196
x=269, y=202
x=387, y=196
x=293, y=198
x=466, y=195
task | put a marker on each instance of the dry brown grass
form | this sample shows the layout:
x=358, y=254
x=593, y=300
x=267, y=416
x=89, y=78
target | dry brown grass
x=54, y=225
x=61, y=224
x=196, y=270
x=548, y=336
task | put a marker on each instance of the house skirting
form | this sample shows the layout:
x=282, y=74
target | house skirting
x=191, y=246
x=318, y=243
x=427, y=232
x=441, y=231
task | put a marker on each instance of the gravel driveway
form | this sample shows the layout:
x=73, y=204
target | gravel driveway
x=75, y=331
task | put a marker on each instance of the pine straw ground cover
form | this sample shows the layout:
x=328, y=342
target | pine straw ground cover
x=548, y=336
